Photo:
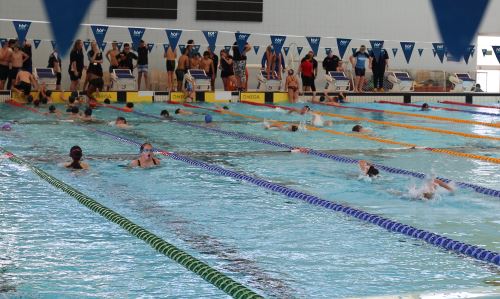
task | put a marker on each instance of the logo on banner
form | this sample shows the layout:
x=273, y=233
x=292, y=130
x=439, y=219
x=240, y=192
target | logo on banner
x=468, y=53
x=211, y=37
x=342, y=44
x=182, y=48
x=328, y=50
x=299, y=50
x=278, y=41
x=241, y=40
x=37, y=42
x=484, y=52
x=196, y=49
x=394, y=51
x=165, y=47
x=3, y=41
x=99, y=33
x=53, y=42
x=440, y=50
x=407, y=48
x=150, y=47
x=256, y=49
x=22, y=28
x=136, y=35
x=496, y=49
x=420, y=51
x=103, y=46
x=173, y=37
x=354, y=50
x=228, y=48
x=377, y=46
x=314, y=43
x=285, y=49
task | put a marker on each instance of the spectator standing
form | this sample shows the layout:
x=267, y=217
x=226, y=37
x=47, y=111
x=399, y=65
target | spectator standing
x=142, y=64
x=28, y=64
x=5, y=58
x=358, y=60
x=379, y=65
x=215, y=60
x=331, y=62
x=76, y=64
x=17, y=60
x=126, y=57
x=170, y=55
x=55, y=64
x=227, y=71
x=306, y=70
x=239, y=65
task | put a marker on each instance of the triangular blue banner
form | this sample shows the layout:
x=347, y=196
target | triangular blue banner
x=342, y=44
x=196, y=49
x=211, y=37
x=377, y=46
x=86, y=45
x=65, y=25
x=136, y=35
x=314, y=43
x=256, y=49
x=278, y=41
x=150, y=47
x=472, y=52
x=22, y=28
x=354, y=50
x=440, y=50
x=53, y=42
x=458, y=22
x=103, y=46
x=119, y=45
x=299, y=50
x=434, y=52
x=37, y=42
x=407, y=48
x=420, y=51
x=241, y=40
x=394, y=51
x=173, y=37
x=99, y=33
x=328, y=50
x=484, y=52
x=468, y=53
x=3, y=41
x=182, y=48
x=228, y=48
x=496, y=50
x=165, y=47
x=286, y=50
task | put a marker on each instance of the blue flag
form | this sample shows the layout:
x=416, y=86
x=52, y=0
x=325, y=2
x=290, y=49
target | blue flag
x=103, y=46
x=354, y=50
x=496, y=50
x=342, y=44
x=394, y=51
x=278, y=41
x=241, y=40
x=468, y=53
x=196, y=48
x=314, y=43
x=440, y=50
x=484, y=51
x=211, y=37
x=458, y=21
x=299, y=50
x=119, y=45
x=65, y=25
x=22, y=28
x=328, y=50
x=377, y=46
x=407, y=48
x=285, y=49
x=136, y=35
x=182, y=48
x=3, y=41
x=150, y=47
x=86, y=45
x=165, y=47
x=173, y=38
x=53, y=42
x=228, y=48
x=37, y=42
x=256, y=49
x=434, y=52
x=420, y=51
x=99, y=33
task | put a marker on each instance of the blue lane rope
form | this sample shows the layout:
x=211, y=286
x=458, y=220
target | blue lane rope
x=449, y=244
x=337, y=158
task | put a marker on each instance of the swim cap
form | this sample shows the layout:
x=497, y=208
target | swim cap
x=107, y=101
x=208, y=118
x=76, y=152
x=6, y=127
x=52, y=108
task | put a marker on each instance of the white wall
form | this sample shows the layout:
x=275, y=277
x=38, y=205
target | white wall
x=390, y=20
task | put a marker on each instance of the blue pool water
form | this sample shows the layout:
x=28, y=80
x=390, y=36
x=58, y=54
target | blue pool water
x=277, y=246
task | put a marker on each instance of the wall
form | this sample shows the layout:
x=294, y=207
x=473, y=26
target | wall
x=390, y=20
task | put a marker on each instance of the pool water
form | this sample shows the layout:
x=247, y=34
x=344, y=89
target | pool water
x=278, y=247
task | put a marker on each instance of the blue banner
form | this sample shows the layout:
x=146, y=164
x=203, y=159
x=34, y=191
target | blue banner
x=314, y=43
x=394, y=51
x=53, y=42
x=440, y=50
x=136, y=35
x=196, y=49
x=377, y=46
x=211, y=37
x=420, y=51
x=150, y=47
x=458, y=21
x=103, y=46
x=484, y=52
x=99, y=34
x=354, y=50
x=86, y=45
x=256, y=49
x=173, y=38
x=228, y=48
x=241, y=40
x=342, y=44
x=434, y=52
x=119, y=45
x=3, y=41
x=278, y=41
x=65, y=25
x=165, y=47
x=299, y=50
x=468, y=53
x=182, y=48
x=328, y=50
x=286, y=50
x=496, y=50
x=36, y=42
x=407, y=48
x=22, y=28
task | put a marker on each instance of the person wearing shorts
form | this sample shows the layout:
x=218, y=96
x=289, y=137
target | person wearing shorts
x=76, y=64
x=307, y=71
x=358, y=61
x=239, y=65
x=181, y=69
x=23, y=82
x=142, y=64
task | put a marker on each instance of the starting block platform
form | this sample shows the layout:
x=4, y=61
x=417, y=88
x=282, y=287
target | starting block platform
x=47, y=76
x=202, y=82
x=123, y=79
x=271, y=84
x=401, y=81
x=337, y=81
x=462, y=82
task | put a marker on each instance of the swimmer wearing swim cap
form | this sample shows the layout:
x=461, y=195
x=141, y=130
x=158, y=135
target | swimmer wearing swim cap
x=146, y=158
x=208, y=118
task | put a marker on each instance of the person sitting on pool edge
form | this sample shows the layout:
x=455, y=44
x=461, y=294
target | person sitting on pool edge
x=368, y=169
x=76, y=154
x=146, y=158
x=360, y=129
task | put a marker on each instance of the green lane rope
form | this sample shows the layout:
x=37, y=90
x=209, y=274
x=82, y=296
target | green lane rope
x=216, y=278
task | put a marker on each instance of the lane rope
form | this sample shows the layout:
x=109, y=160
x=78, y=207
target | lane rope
x=468, y=105
x=438, y=108
x=209, y=274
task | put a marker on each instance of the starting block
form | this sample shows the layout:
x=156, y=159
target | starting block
x=273, y=84
x=337, y=81
x=47, y=76
x=462, y=82
x=401, y=81
x=123, y=79
x=202, y=82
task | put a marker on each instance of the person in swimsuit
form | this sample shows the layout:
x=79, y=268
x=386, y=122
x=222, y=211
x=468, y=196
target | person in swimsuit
x=207, y=64
x=425, y=107
x=181, y=68
x=368, y=168
x=318, y=121
x=282, y=127
x=292, y=86
x=147, y=158
x=121, y=122
x=227, y=72
x=170, y=55
x=189, y=90
x=76, y=154
x=429, y=190
x=5, y=59
x=111, y=56
x=360, y=129
x=183, y=112
x=17, y=60
x=23, y=83
x=301, y=111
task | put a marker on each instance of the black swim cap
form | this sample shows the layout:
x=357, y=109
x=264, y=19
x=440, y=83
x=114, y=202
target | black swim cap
x=88, y=111
x=357, y=128
x=75, y=110
x=295, y=128
x=372, y=171
x=76, y=152
x=130, y=105
x=164, y=113
x=177, y=110
x=107, y=101
x=52, y=108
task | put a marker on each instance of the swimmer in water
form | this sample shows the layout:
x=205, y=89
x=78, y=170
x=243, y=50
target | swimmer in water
x=282, y=127
x=368, y=169
x=318, y=121
x=301, y=111
x=183, y=112
x=129, y=107
x=429, y=190
x=121, y=122
x=165, y=114
x=53, y=111
x=360, y=129
x=87, y=115
x=147, y=158
x=425, y=107
x=76, y=154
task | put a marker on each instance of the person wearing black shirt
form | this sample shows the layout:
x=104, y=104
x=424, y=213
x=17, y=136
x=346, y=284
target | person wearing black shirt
x=55, y=64
x=28, y=64
x=215, y=60
x=331, y=62
x=240, y=64
x=76, y=64
x=378, y=66
x=94, y=71
x=142, y=64
x=125, y=58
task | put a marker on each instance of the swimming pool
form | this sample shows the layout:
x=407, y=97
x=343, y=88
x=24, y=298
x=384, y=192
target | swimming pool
x=277, y=246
